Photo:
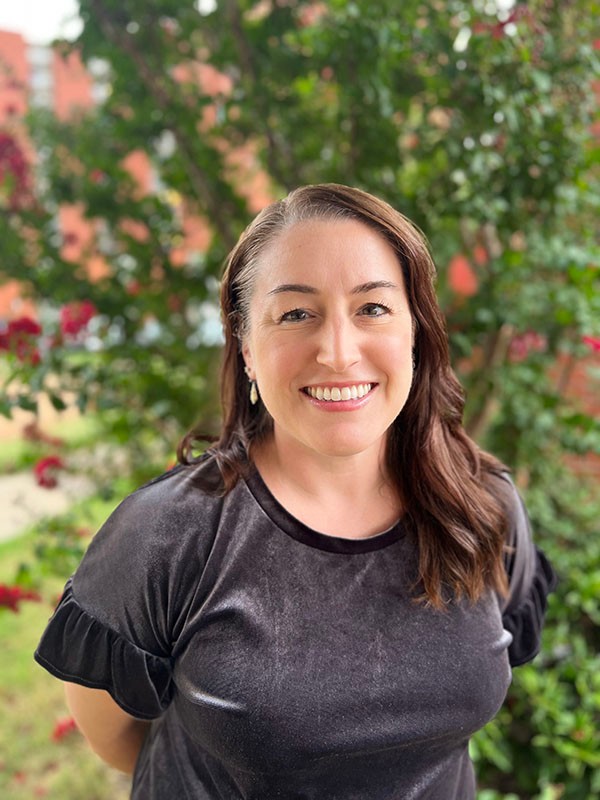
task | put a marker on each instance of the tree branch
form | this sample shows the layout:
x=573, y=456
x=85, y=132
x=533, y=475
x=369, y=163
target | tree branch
x=274, y=157
x=494, y=352
x=162, y=95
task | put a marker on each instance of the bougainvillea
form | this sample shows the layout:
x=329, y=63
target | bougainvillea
x=75, y=316
x=63, y=727
x=45, y=471
x=15, y=184
x=476, y=121
x=593, y=342
x=525, y=343
x=11, y=596
x=20, y=337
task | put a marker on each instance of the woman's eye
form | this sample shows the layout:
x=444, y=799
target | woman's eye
x=295, y=315
x=374, y=310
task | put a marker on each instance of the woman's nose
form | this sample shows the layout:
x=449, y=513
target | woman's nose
x=338, y=347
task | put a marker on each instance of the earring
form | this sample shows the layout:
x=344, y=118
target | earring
x=253, y=393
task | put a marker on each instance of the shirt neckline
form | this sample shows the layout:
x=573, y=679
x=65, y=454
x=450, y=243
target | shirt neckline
x=297, y=530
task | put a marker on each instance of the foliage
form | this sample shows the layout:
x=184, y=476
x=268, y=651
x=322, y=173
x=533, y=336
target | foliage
x=475, y=122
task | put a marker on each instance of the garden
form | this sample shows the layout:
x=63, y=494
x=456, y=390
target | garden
x=478, y=120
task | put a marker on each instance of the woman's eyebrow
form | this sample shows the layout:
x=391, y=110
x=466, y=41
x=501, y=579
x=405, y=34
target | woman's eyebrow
x=370, y=285
x=294, y=287
x=362, y=288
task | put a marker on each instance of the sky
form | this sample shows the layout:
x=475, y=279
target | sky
x=39, y=21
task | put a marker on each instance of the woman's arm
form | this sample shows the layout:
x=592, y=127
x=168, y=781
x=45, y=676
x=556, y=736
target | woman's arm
x=112, y=734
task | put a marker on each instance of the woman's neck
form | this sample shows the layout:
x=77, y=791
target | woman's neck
x=341, y=496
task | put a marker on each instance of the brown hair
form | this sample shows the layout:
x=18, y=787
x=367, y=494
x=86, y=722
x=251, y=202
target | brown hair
x=442, y=478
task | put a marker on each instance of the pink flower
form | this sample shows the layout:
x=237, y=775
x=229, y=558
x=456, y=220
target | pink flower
x=75, y=316
x=63, y=727
x=70, y=238
x=45, y=471
x=11, y=596
x=97, y=176
x=461, y=276
x=592, y=342
x=525, y=343
x=480, y=255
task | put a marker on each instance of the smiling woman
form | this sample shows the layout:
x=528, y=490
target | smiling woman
x=328, y=602
x=311, y=346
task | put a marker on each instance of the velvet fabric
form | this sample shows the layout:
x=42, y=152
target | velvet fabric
x=278, y=662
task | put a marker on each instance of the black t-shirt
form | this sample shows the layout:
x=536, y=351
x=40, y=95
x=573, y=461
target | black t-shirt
x=279, y=662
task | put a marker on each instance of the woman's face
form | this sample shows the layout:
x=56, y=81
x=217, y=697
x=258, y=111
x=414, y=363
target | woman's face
x=330, y=338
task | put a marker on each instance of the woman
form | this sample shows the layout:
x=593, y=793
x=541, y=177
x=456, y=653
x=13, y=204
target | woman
x=327, y=604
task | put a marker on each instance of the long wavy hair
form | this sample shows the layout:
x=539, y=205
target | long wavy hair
x=444, y=481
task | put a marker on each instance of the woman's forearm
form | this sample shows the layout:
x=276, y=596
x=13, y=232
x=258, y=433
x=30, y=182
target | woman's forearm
x=114, y=735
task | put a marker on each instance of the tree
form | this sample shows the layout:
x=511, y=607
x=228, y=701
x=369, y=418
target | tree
x=474, y=121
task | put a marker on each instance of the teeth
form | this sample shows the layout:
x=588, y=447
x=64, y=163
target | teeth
x=335, y=394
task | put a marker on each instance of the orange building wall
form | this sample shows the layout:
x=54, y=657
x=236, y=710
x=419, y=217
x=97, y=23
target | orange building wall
x=72, y=85
x=14, y=76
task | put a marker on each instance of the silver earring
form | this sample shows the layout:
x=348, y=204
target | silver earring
x=253, y=393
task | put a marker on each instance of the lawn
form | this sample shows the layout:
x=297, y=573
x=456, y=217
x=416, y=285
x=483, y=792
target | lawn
x=75, y=432
x=33, y=764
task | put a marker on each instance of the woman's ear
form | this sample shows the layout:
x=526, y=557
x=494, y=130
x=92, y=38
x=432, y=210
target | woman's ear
x=247, y=356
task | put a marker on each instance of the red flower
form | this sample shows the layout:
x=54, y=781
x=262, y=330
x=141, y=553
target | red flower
x=74, y=317
x=45, y=471
x=23, y=326
x=63, y=727
x=593, y=342
x=19, y=337
x=11, y=596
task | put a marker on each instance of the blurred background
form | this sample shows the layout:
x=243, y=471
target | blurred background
x=139, y=137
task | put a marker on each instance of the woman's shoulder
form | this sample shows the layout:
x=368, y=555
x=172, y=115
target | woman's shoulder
x=499, y=482
x=182, y=490
x=168, y=514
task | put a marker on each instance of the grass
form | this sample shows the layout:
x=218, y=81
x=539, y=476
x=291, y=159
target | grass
x=21, y=454
x=33, y=764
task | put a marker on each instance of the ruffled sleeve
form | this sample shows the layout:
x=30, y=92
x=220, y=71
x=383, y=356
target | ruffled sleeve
x=531, y=579
x=525, y=620
x=76, y=647
x=124, y=610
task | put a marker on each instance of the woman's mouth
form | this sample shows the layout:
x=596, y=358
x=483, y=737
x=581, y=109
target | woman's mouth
x=336, y=394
